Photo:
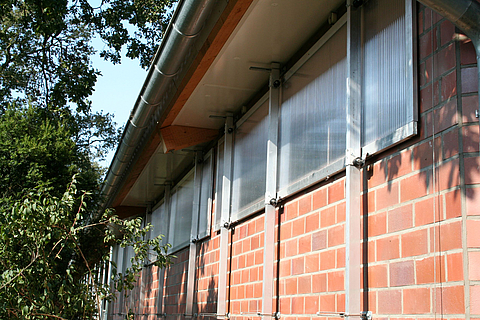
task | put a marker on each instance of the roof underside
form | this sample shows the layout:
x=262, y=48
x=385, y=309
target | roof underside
x=269, y=31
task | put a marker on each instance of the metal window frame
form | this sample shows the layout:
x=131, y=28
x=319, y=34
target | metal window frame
x=208, y=157
x=225, y=220
x=257, y=205
x=338, y=165
x=410, y=129
x=218, y=190
x=173, y=212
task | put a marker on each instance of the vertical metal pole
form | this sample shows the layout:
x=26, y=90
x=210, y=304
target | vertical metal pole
x=192, y=256
x=271, y=193
x=353, y=182
x=225, y=220
x=161, y=272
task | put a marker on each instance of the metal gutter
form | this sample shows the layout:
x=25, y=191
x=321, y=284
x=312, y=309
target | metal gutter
x=163, y=77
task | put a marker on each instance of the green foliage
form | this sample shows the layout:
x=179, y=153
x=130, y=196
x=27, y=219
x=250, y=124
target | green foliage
x=45, y=45
x=48, y=271
x=52, y=247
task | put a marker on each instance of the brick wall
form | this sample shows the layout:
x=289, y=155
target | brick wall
x=420, y=208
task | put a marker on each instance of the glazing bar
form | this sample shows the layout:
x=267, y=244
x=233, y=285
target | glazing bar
x=271, y=193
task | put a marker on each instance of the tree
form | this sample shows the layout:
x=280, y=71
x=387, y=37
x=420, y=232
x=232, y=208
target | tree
x=52, y=246
x=45, y=271
x=45, y=45
x=53, y=242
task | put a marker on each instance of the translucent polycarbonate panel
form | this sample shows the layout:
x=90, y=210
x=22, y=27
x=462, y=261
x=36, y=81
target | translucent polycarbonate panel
x=128, y=254
x=219, y=185
x=250, y=163
x=183, y=211
x=387, y=71
x=312, y=125
x=160, y=223
x=205, y=198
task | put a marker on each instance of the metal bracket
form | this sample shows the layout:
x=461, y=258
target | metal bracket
x=228, y=225
x=353, y=160
x=366, y=315
x=476, y=113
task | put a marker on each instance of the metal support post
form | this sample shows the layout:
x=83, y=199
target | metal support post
x=161, y=272
x=271, y=192
x=225, y=219
x=193, y=235
x=354, y=161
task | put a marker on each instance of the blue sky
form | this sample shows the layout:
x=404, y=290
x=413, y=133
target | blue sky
x=117, y=89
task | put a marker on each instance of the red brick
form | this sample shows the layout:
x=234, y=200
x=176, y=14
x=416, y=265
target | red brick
x=446, y=116
x=319, y=198
x=319, y=282
x=470, y=135
x=319, y=240
x=450, y=144
x=472, y=170
x=377, y=174
x=414, y=187
x=425, y=45
x=469, y=80
x=389, y=302
x=327, y=303
x=298, y=304
x=286, y=230
x=377, y=276
x=336, y=191
x=444, y=60
x=305, y=205
x=312, y=263
x=448, y=175
x=298, y=266
x=305, y=244
x=400, y=218
x=327, y=217
x=424, y=211
x=469, y=106
x=447, y=32
x=341, y=212
x=473, y=232
x=336, y=236
x=416, y=301
x=377, y=224
x=415, y=243
x=327, y=260
x=285, y=268
x=474, y=300
x=335, y=281
x=298, y=227
x=453, y=204
x=422, y=155
x=388, y=248
x=449, y=86
x=400, y=165
x=425, y=72
x=340, y=257
x=473, y=265
x=387, y=196
x=467, y=53
x=304, y=284
x=312, y=222
x=455, y=266
x=285, y=303
x=402, y=273
x=473, y=201
x=311, y=304
x=426, y=99
x=450, y=300
x=291, y=210
x=450, y=235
